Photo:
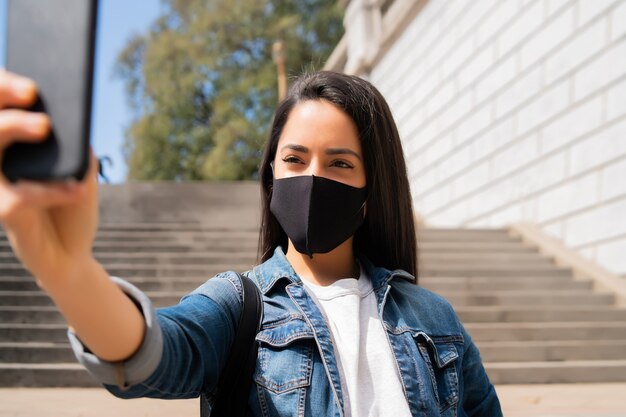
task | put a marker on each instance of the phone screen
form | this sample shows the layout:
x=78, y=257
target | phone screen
x=53, y=42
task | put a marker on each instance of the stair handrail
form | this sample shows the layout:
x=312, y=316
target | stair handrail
x=582, y=268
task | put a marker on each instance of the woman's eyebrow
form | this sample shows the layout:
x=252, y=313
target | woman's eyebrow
x=329, y=151
x=341, y=151
x=294, y=147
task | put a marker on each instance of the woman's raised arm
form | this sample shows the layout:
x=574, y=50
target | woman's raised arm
x=51, y=228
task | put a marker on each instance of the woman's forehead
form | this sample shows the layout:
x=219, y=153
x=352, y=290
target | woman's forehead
x=317, y=125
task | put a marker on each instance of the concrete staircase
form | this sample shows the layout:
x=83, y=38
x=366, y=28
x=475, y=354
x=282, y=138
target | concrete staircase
x=533, y=322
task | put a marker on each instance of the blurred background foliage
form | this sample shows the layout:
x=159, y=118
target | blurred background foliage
x=203, y=87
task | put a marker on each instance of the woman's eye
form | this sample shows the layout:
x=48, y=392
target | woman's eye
x=292, y=160
x=341, y=164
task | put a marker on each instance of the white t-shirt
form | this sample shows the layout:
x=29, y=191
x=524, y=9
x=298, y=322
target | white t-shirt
x=370, y=379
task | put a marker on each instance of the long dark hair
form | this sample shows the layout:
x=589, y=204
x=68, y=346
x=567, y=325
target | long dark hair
x=387, y=236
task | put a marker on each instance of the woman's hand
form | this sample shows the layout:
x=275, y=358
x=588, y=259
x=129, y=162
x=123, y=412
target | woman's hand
x=51, y=226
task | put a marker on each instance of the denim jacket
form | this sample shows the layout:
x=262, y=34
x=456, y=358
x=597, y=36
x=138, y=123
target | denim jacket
x=186, y=346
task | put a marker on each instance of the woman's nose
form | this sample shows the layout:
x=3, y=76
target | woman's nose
x=315, y=169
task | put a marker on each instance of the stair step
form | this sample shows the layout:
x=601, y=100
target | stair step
x=45, y=375
x=56, y=333
x=487, y=264
x=39, y=298
x=434, y=284
x=36, y=352
x=517, y=314
x=149, y=247
x=487, y=256
x=528, y=298
x=182, y=259
x=508, y=298
x=473, y=246
x=147, y=270
x=547, y=331
x=180, y=284
x=467, y=314
x=168, y=226
x=30, y=314
x=556, y=372
x=479, y=285
x=459, y=235
x=557, y=350
x=498, y=270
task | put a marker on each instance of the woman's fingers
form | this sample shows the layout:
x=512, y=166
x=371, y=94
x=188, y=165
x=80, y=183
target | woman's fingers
x=23, y=126
x=15, y=90
x=36, y=195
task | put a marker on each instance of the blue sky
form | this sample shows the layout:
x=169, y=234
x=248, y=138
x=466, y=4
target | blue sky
x=117, y=21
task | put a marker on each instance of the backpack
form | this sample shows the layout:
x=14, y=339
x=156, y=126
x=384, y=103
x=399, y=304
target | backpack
x=235, y=381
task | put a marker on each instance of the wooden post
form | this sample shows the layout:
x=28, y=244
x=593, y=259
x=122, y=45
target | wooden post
x=278, y=55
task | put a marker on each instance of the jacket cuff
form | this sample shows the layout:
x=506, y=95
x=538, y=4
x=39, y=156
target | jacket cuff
x=142, y=363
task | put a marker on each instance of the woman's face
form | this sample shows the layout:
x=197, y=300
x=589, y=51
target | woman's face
x=320, y=139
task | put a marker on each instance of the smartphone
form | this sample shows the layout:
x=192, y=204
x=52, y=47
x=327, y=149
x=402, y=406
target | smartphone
x=53, y=43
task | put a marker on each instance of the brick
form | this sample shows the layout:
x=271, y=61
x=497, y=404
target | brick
x=611, y=256
x=530, y=21
x=569, y=197
x=457, y=56
x=441, y=97
x=572, y=125
x=451, y=216
x=426, y=136
x=579, y=48
x=451, y=12
x=476, y=176
x=437, y=198
x=588, y=10
x=598, y=149
x=604, y=222
x=437, y=150
x=498, y=135
x=477, y=65
x=613, y=180
x=483, y=202
x=517, y=186
x=618, y=22
x=543, y=107
x=422, y=181
x=522, y=152
x=498, y=19
x=526, y=86
x=601, y=71
x=502, y=73
x=512, y=214
x=457, y=110
x=616, y=101
x=457, y=161
x=530, y=179
x=554, y=6
x=477, y=121
x=550, y=170
x=547, y=38
x=471, y=18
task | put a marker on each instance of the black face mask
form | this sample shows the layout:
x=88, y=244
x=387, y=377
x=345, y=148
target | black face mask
x=317, y=213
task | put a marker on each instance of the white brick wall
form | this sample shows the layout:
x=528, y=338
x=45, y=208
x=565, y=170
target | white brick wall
x=515, y=110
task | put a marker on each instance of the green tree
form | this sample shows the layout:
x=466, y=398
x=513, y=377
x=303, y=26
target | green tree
x=203, y=86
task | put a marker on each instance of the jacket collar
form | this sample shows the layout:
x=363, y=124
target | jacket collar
x=278, y=267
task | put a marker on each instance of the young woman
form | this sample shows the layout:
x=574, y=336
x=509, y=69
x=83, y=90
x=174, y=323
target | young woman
x=346, y=329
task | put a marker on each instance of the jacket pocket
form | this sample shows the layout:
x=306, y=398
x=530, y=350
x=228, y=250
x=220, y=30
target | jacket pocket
x=285, y=357
x=441, y=358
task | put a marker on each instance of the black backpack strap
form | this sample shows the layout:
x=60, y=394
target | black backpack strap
x=236, y=378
